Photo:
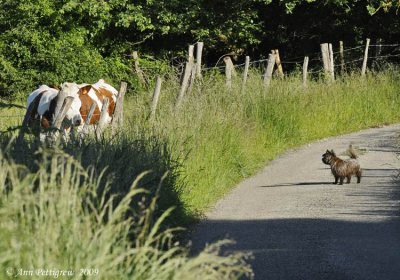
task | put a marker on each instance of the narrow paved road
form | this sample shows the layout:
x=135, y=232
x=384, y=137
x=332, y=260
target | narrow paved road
x=298, y=225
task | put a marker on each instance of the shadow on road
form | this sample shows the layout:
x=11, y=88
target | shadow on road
x=361, y=242
x=354, y=236
x=313, y=248
x=298, y=184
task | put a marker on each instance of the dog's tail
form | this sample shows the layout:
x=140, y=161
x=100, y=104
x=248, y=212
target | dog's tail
x=352, y=152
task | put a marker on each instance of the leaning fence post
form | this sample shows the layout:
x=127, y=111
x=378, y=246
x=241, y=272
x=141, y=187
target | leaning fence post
x=60, y=101
x=88, y=119
x=58, y=119
x=364, y=65
x=184, y=85
x=245, y=73
x=27, y=118
x=156, y=95
x=305, y=71
x=117, y=119
x=192, y=77
x=278, y=63
x=63, y=111
x=269, y=70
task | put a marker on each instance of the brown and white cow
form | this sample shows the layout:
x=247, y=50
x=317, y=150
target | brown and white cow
x=93, y=93
x=45, y=99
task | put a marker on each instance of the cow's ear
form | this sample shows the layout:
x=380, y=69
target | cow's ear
x=83, y=91
x=55, y=86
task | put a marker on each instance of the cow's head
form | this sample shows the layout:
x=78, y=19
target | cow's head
x=73, y=114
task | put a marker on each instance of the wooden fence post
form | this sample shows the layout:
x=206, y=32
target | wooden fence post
x=378, y=52
x=190, y=54
x=341, y=54
x=326, y=60
x=138, y=71
x=58, y=119
x=325, y=56
x=278, y=63
x=192, y=77
x=102, y=120
x=229, y=71
x=378, y=48
x=103, y=113
x=88, y=119
x=192, y=67
x=184, y=85
x=305, y=71
x=364, y=65
x=199, y=51
x=27, y=118
x=156, y=95
x=117, y=119
x=63, y=111
x=245, y=73
x=331, y=60
x=269, y=70
x=60, y=101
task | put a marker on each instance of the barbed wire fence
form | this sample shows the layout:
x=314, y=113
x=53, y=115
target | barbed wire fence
x=353, y=52
x=347, y=60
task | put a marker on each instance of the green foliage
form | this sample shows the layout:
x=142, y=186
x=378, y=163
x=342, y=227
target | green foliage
x=386, y=5
x=54, y=41
x=50, y=42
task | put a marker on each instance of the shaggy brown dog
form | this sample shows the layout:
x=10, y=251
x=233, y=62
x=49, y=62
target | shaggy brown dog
x=343, y=168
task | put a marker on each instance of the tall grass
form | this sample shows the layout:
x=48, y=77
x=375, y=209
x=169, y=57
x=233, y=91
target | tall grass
x=229, y=135
x=220, y=135
x=78, y=209
x=55, y=221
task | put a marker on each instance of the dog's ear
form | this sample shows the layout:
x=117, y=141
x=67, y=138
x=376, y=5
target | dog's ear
x=333, y=153
x=327, y=152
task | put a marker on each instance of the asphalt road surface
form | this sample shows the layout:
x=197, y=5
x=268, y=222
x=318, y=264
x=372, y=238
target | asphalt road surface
x=299, y=225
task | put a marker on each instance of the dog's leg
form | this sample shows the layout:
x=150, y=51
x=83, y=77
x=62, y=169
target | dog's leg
x=341, y=180
x=348, y=179
x=358, y=176
x=336, y=179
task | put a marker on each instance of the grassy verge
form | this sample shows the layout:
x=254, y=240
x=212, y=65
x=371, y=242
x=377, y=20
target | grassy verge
x=229, y=135
x=220, y=136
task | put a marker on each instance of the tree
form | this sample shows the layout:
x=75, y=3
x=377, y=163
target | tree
x=51, y=41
